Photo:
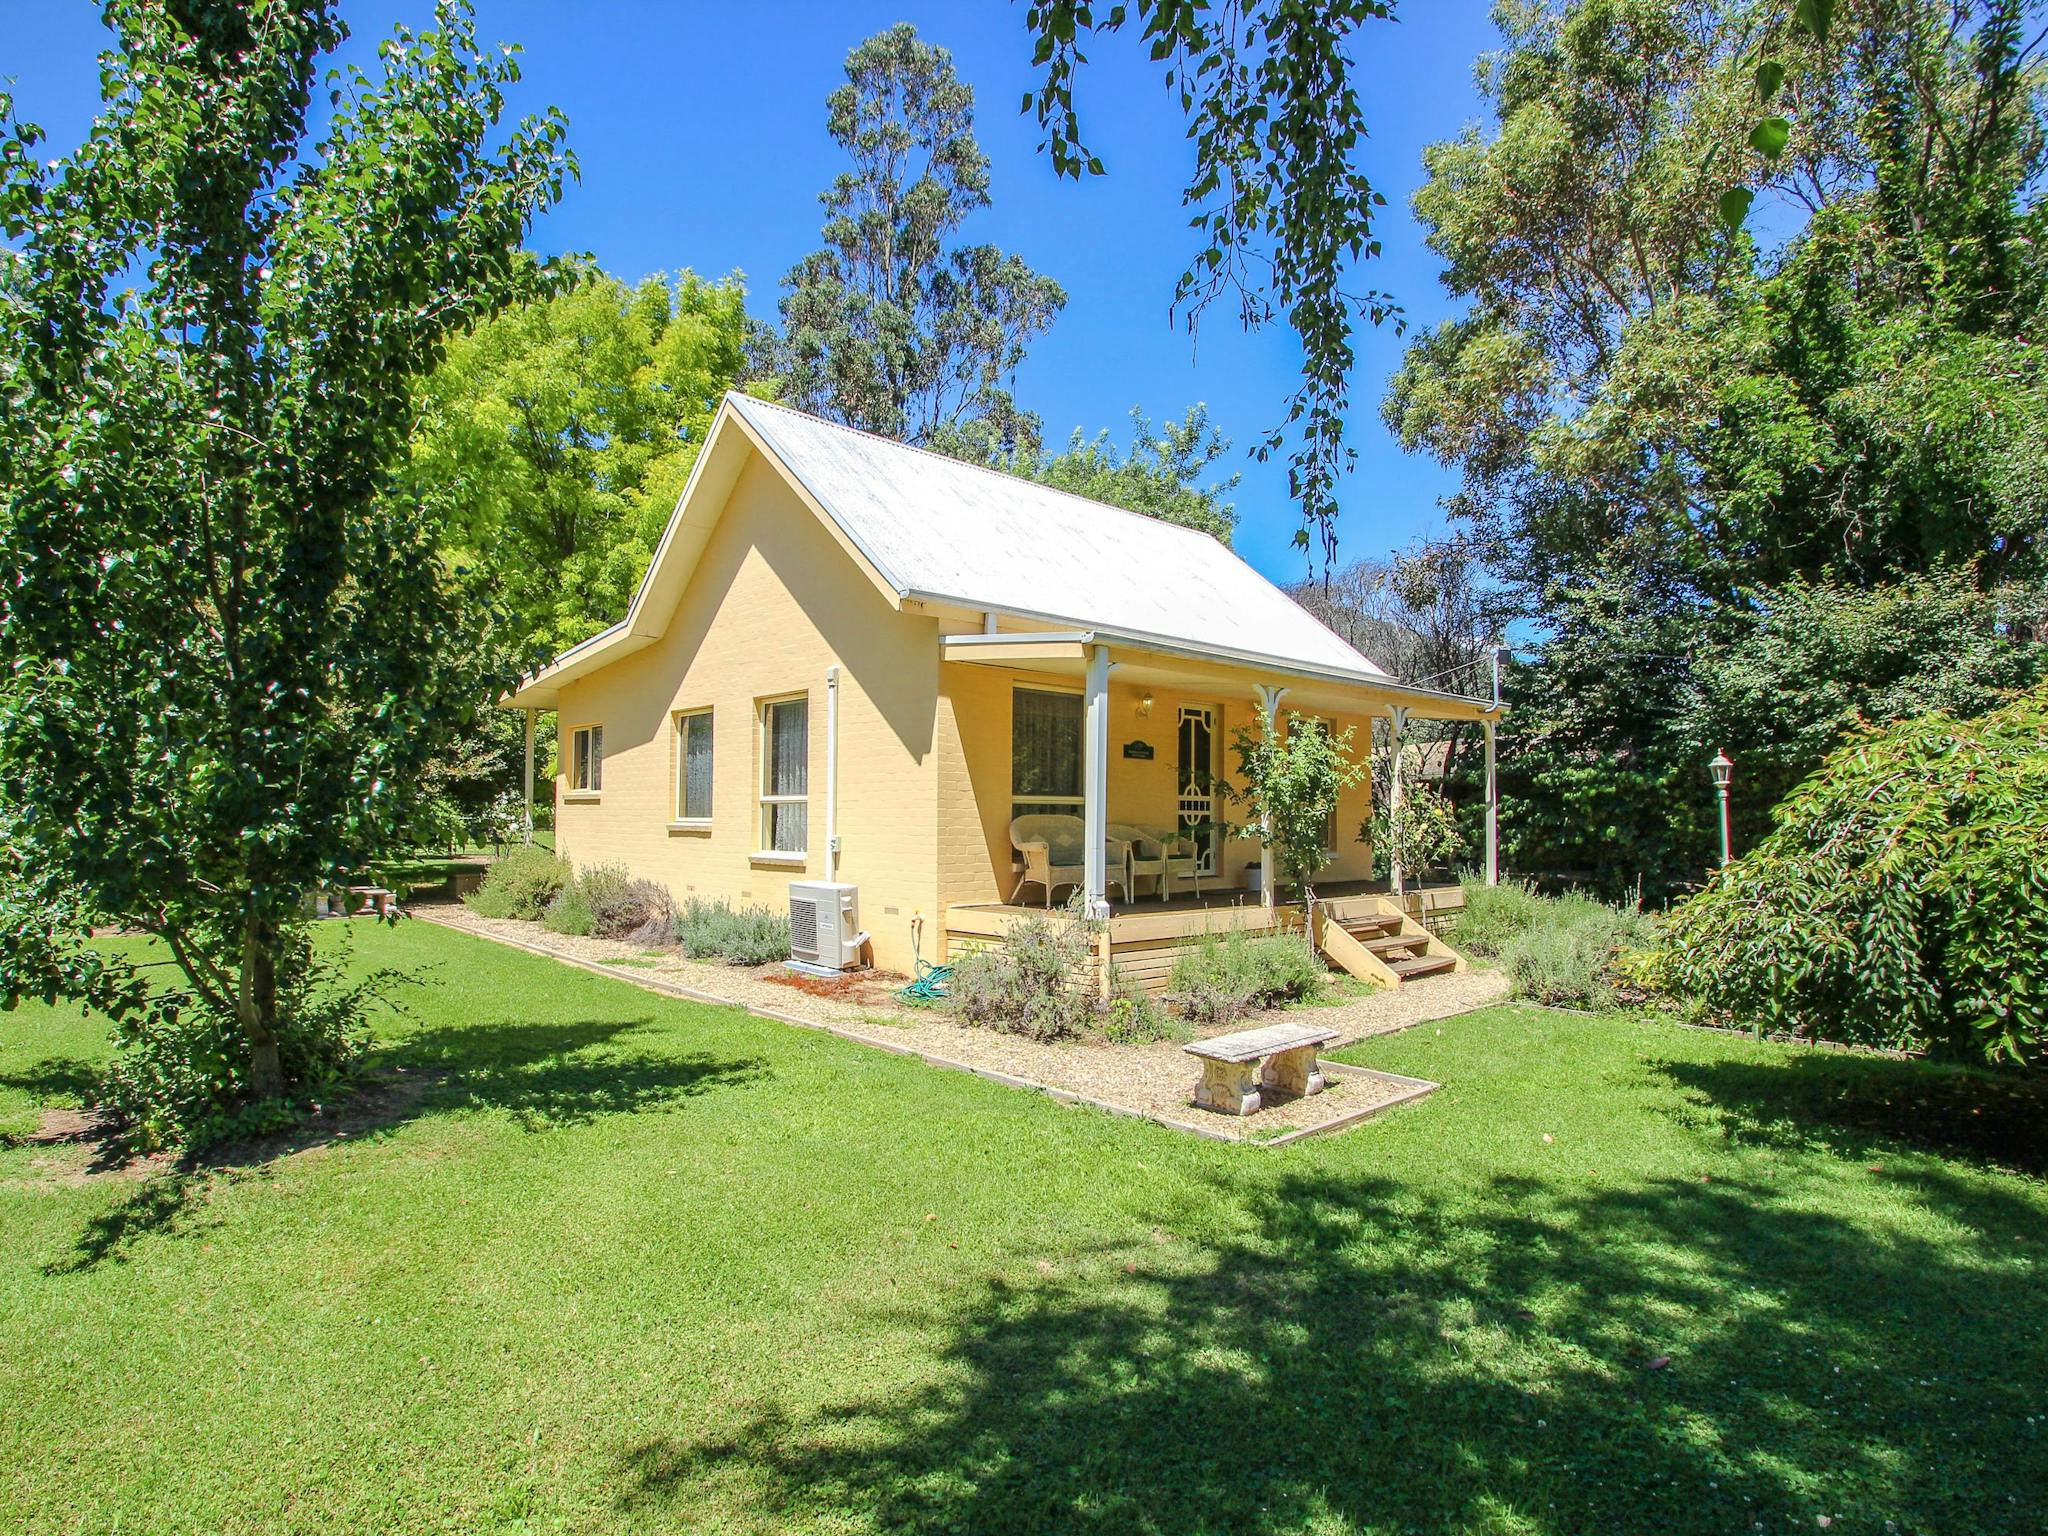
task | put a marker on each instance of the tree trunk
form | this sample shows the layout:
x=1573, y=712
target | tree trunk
x=257, y=1008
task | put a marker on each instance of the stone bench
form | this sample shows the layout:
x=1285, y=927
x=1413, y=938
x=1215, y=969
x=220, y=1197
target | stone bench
x=355, y=901
x=1235, y=1068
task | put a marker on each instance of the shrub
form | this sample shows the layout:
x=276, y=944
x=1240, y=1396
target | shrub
x=180, y=1076
x=1132, y=1016
x=569, y=912
x=709, y=930
x=1567, y=957
x=1223, y=979
x=1494, y=915
x=1901, y=900
x=619, y=904
x=1033, y=982
x=521, y=884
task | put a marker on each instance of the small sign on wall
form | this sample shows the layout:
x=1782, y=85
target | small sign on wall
x=1141, y=750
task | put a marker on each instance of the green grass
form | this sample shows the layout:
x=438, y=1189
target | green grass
x=619, y=1262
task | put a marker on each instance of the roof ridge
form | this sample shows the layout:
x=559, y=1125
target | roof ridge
x=1000, y=474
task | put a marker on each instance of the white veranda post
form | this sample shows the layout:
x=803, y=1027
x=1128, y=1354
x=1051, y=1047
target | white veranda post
x=1397, y=727
x=1095, y=783
x=526, y=807
x=1269, y=712
x=1492, y=812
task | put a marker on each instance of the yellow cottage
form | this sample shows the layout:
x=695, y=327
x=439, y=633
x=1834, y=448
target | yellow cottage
x=858, y=663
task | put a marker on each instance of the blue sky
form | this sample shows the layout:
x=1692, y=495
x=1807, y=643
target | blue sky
x=700, y=128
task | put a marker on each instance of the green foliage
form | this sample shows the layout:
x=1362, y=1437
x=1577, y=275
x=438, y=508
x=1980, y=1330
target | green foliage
x=1159, y=475
x=180, y=1077
x=1723, y=477
x=229, y=639
x=605, y=901
x=1566, y=958
x=555, y=438
x=569, y=912
x=1493, y=916
x=893, y=327
x=1799, y=668
x=1132, y=1016
x=1281, y=209
x=522, y=884
x=1218, y=980
x=1291, y=781
x=1601, y=781
x=1035, y=981
x=1422, y=834
x=1901, y=901
x=737, y=935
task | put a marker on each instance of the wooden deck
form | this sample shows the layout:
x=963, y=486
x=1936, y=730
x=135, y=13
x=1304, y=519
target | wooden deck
x=1143, y=938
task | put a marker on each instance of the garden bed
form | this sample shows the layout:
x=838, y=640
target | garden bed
x=1154, y=1080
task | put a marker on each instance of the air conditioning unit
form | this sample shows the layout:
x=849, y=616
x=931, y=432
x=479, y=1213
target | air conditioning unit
x=824, y=926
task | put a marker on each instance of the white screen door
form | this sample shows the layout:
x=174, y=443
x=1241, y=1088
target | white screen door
x=1197, y=778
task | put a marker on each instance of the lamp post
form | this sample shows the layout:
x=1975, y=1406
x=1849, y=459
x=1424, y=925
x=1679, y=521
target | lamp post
x=1722, y=767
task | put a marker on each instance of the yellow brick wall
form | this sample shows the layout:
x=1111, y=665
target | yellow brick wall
x=773, y=602
x=975, y=857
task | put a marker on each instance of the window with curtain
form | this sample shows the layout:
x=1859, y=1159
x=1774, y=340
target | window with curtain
x=1045, y=753
x=693, y=766
x=586, y=758
x=786, y=775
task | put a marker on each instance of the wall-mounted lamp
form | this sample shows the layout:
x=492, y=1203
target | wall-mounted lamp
x=1145, y=706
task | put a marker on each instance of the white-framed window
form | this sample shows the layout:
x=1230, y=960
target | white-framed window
x=786, y=775
x=693, y=765
x=586, y=759
x=1045, y=753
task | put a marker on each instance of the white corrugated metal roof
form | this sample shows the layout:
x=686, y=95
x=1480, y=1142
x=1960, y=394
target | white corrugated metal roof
x=942, y=530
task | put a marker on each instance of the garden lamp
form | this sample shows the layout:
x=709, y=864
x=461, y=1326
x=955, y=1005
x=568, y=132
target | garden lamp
x=1722, y=767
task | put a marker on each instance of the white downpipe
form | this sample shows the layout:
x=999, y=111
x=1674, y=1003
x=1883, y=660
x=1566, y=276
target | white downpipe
x=1492, y=813
x=832, y=773
x=1095, y=784
x=1397, y=720
x=988, y=622
x=526, y=816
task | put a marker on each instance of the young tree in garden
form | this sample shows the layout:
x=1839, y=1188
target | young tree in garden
x=1289, y=784
x=893, y=327
x=1282, y=213
x=555, y=438
x=231, y=644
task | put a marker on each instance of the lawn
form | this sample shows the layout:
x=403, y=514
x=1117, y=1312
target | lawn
x=615, y=1262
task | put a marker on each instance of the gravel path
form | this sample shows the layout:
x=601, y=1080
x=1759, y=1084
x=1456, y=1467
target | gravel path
x=1437, y=997
x=1154, y=1081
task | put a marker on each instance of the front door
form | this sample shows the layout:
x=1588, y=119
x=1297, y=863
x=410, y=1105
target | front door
x=1196, y=775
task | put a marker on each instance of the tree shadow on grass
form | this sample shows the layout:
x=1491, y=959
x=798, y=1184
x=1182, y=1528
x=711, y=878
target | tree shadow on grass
x=543, y=1076
x=1852, y=1104
x=65, y=1078
x=1669, y=1356
x=552, y=1075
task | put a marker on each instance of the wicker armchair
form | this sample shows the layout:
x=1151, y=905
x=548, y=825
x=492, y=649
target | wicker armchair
x=1161, y=855
x=1054, y=849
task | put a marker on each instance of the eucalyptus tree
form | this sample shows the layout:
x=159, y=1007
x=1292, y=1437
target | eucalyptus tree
x=893, y=326
x=230, y=645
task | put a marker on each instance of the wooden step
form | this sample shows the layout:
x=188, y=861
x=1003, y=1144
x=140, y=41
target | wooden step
x=1420, y=966
x=1364, y=928
x=1393, y=944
